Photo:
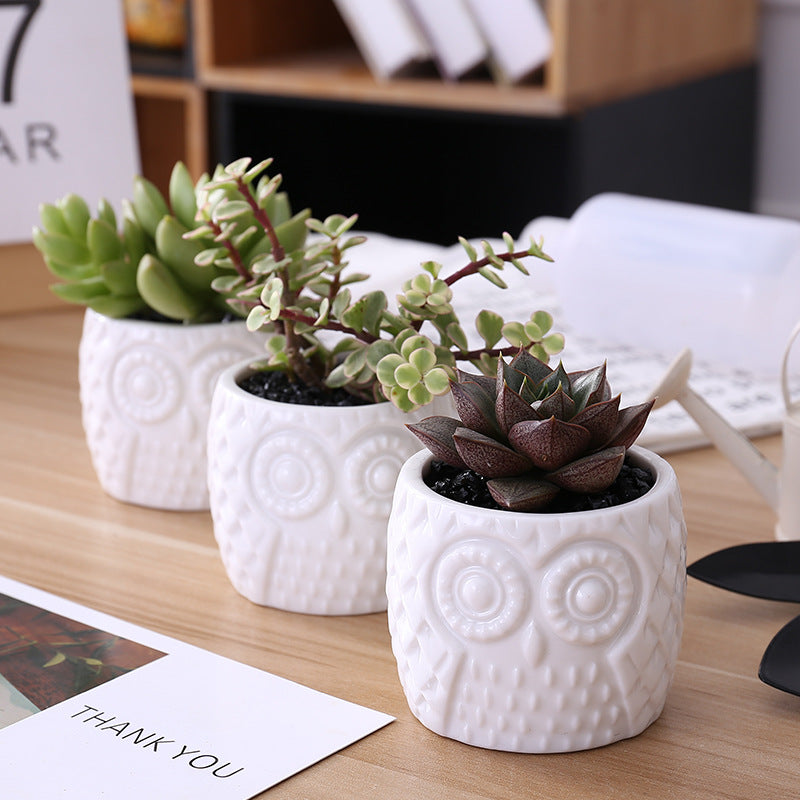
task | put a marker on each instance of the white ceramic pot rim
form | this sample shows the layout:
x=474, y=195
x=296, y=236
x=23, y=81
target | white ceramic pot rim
x=229, y=379
x=165, y=324
x=418, y=464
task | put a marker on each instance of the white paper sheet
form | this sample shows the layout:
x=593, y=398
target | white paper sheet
x=186, y=724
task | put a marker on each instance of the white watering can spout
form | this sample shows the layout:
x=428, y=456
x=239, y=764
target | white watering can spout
x=760, y=472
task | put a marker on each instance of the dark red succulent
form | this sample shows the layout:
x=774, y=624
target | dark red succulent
x=535, y=431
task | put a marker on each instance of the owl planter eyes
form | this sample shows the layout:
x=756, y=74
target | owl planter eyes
x=535, y=603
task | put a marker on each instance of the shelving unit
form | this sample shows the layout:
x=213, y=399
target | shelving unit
x=646, y=96
x=604, y=50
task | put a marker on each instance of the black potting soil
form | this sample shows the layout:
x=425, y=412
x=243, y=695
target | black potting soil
x=466, y=486
x=274, y=385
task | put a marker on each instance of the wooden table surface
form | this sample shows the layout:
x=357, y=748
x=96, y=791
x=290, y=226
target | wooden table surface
x=723, y=734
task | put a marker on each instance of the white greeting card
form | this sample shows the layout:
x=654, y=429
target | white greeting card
x=66, y=108
x=93, y=707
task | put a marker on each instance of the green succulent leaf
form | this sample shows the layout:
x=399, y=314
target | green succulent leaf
x=257, y=318
x=70, y=272
x=423, y=359
x=82, y=291
x=407, y=375
x=103, y=241
x=76, y=215
x=181, y=195
x=52, y=219
x=399, y=397
x=419, y=395
x=493, y=277
x=469, y=249
x=553, y=344
x=292, y=232
x=533, y=331
x=433, y=268
x=148, y=205
x=374, y=306
x=489, y=326
x=116, y=306
x=456, y=334
x=436, y=381
x=515, y=334
x=179, y=254
x=106, y=213
x=120, y=276
x=340, y=303
x=376, y=351
x=163, y=292
x=355, y=362
x=60, y=248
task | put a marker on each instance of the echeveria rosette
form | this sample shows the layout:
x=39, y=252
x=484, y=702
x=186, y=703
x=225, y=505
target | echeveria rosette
x=534, y=431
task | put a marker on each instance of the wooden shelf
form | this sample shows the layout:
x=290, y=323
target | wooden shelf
x=602, y=51
x=172, y=125
x=341, y=75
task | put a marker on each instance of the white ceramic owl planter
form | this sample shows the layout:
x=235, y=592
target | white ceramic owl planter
x=536, y=633
x=301, y=495
x=145, y=392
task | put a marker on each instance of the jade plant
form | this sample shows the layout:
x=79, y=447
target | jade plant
x=324, y=335
x=535, y=432
x=144, y=267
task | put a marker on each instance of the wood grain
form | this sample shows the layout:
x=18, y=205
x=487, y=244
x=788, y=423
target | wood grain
x=723, y=733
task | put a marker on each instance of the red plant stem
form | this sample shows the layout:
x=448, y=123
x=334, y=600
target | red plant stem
x=330, y=325
x=512, y=350
x=474, y=266
x=236, y=258
x=263, y=219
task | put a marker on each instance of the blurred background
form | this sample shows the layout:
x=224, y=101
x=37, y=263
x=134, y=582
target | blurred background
x=691, y=100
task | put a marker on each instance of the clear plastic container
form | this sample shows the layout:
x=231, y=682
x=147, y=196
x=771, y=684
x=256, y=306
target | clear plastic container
x=662, y=275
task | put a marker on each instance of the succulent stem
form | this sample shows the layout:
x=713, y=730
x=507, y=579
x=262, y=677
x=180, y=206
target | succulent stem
x=474, y=266
x=234, y=254
x=263, y=219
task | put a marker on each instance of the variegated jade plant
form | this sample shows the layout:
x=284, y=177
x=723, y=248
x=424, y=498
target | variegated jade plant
x=534, y=432
x=406, y=354
x=145, y=266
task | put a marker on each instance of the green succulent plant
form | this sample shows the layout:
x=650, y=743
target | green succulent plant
x=301, y=292
x=145, y=265
x=535, y=432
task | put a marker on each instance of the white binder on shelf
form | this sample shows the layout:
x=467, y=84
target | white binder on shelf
x=518, y=35
x=386, y=34
x=455, y=40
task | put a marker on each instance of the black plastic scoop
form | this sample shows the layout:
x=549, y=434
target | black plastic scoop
x=770, y=570
x=780, y=666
